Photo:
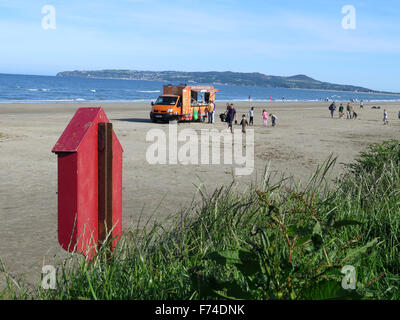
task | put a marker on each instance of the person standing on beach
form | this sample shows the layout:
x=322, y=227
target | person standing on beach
x=362, y=104
x=212, y=107
x=265, y=117
x=244, y=123
x=385, y=117
x=273, y=119
x=332, y=108
x=348, y=110
x=341, y=111
x=230, y=116
x=213, y=112
x=209, y=112
x=251, y=116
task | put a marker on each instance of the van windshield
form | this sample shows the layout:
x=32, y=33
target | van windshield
x=166, y=101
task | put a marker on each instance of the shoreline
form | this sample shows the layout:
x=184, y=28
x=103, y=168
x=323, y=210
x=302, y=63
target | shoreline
x=75, y=101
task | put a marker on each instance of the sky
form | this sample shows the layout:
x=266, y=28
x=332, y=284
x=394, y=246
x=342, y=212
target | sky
x=283, y=38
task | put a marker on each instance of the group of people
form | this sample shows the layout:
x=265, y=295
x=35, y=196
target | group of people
x=350, y=112
x=274, y=118
x=231, y=116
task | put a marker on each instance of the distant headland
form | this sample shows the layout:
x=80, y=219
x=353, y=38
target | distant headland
x=214, y=77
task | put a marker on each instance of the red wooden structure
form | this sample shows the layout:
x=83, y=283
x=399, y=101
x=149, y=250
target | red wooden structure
x=89, y=182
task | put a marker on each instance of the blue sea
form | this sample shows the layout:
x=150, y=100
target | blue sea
x=31, y=89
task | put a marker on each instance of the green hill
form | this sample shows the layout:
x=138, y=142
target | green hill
x=213, y=77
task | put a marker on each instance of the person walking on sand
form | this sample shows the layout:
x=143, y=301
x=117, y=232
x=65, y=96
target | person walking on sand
x=273, y=119
x=265, y=117
x=251, y=116
x=235, y=114
x=332, y=108
x=230, y=117
x=385, y=117
x=341, y=111
x=228, y=105
x=362, y=104
x=244, y=123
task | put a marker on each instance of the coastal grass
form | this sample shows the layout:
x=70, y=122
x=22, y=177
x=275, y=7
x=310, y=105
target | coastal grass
x=278, y=240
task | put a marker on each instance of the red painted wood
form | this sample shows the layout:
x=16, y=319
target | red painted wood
x=117, y=189
x=67, y=199
x=74, y=134
x=77, y=151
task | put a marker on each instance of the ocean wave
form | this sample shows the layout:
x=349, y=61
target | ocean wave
x=36, y=90
x=149, y=91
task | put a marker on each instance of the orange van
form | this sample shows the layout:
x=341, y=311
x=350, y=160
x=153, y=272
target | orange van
x=183, y=103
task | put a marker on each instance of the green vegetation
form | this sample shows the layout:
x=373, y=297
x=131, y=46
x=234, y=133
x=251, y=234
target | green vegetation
x=276, y=241
x=213, y=77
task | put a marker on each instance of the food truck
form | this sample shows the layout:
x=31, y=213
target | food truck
x=183, y=103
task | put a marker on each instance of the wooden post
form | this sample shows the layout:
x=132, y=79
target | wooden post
x=105, y=181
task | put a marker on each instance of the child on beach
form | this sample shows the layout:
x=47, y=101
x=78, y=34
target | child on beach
x=265, y=117
x=349, y=108
x=244, y=123
x=251, y=115
x=341, y=109
x=274, y=118
x=385, y=117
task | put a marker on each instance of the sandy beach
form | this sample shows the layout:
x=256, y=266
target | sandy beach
x=304, y=137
